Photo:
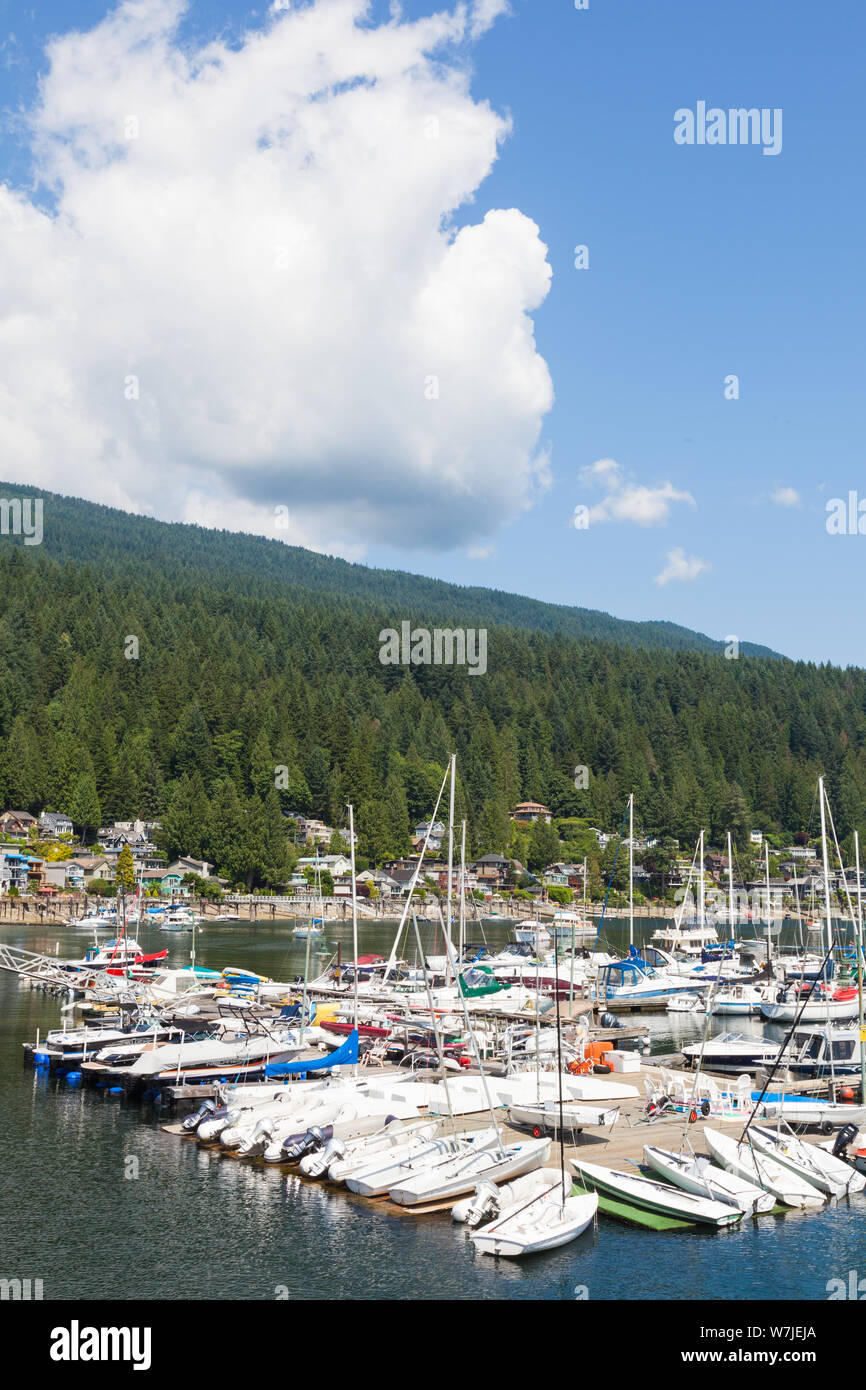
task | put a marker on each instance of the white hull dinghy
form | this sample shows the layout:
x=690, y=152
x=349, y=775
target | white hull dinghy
x=658, y=1197
x=815, y=1011
x=388, y=1170
x=340, y=1156
x=749, y=1163
x=545, y=1117
x=696, y=1173
x=829, y=1174
x=488, y=1201
x=809, y=1111
x=542, y=1223
x=441, y=1182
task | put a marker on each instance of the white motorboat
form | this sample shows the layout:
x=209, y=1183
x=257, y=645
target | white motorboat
x=841, y=1005
x=312, y=929
x=441, y=1182
x=696, y=1173
x=823, y=1170
x=733, y=1052
x=489, y=1201
x=178, y=917
x=544, y=1116
x=234, y=1054
x=738, y=1000
x=686, y=1004
x=393, y=1168
x=353, y=1116
x=533, y=934
x=633, y=984
x=750, y=1163
x=540, y=1223
x=647, y=1194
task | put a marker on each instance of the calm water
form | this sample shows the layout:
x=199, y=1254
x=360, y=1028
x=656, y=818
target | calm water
x=194, y=1226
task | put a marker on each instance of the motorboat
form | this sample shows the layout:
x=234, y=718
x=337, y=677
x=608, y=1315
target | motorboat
x=738, y=999
x=339, y=1157
x=698, y=1174
x=631, y=1191
x=533, y=934
x=734, y=1053
x=634, y=984
x=178, y=917
x=749, y=1162
x=816, y=1052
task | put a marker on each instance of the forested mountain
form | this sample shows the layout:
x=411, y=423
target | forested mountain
x=251, y=659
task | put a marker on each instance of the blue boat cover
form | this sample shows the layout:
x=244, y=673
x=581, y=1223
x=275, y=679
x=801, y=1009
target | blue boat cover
x=345, y=1054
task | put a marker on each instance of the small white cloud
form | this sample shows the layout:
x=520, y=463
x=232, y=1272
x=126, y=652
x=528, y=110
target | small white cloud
x=786, y=497
x=630, y=501
x=480, y=552
x=680, y=566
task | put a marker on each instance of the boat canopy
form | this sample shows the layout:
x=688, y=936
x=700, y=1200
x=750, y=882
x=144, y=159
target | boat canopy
x=344, y=1055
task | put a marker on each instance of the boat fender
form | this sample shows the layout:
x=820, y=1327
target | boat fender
x=602, y=1068
x=781, y=996
x=705, y=1108
x=845, y=1136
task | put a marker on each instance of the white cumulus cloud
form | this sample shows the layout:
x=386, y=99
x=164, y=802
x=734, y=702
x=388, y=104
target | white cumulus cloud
x=680, y=566
x=786, y=497
x=240, y=288
x=627, y=500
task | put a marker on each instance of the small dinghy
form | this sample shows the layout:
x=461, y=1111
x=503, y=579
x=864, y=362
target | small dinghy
x=750, y=1163
x=826, y=1115
x=543, y=1118
x=823, y=1170
x=542, y=1222
x=632, y=1193
x=376, y=1178
x=442, y=1181
x=698, y=1174
x=488, y=1201
x=341, y=1156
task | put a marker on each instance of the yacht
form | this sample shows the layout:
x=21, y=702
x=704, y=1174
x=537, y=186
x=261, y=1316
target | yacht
x=178, y=917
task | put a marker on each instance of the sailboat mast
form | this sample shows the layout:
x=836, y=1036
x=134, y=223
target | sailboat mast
x=631, y=870
x=451, y=839
x=462, y=898
x=731, y=884
x=767, y=879
x=354, y=911
x=860, y=969
x=821, y=795
x=701, y=885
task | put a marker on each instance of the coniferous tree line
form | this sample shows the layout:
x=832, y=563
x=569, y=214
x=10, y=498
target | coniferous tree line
x=251, y=698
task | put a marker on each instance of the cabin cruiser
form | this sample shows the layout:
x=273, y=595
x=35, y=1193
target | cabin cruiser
x=178, y=917
x=690, y=940
x=119, y=953
x=734, y=1053
x=824, y=1051
x=633, y=984
x=77, y=1044
x=568, y=925
x=533, y=934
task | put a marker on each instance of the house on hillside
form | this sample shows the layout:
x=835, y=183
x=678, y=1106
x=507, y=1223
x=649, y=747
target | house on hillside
x=491, y=870
x=52, y=824
x=16, y=825
x=527, y=812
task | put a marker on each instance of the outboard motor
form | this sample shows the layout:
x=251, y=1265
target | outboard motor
x=485, y=1205
x=204, y=1112
x=315, y=1165
x=847, y=1134
x=299, y=1144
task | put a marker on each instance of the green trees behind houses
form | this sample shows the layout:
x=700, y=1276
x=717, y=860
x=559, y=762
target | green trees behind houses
x=253, y=697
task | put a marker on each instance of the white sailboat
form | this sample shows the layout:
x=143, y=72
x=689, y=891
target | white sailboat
x=823, y=1170
x=749, y=1163
x=696, y=1173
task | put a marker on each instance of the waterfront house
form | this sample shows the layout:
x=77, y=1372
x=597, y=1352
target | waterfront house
x=336, y=864
x=92, y=866
x=491, y=870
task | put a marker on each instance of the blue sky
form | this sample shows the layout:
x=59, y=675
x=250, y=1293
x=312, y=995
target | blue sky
x=704, y=262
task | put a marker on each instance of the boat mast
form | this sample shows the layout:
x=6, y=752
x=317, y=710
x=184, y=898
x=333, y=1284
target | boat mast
x=860, y=969
x=731, y=884
x=462, y=898
x=701, y=885
x=767, y=878
x=631, y=870
x=354, y=916
x=450, y=842
x=821, y=794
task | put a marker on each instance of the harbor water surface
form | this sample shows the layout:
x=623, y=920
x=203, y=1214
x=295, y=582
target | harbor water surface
x=99, y=1202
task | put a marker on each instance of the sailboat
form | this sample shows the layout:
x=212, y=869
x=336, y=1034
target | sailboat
x=698, y=1174
x=549, y=1219
x=315, y=927
x=756, y=1167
